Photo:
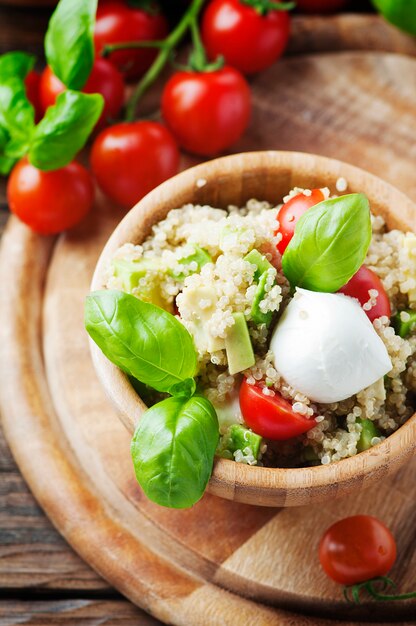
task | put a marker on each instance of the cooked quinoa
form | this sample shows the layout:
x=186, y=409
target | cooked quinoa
x=224, y=284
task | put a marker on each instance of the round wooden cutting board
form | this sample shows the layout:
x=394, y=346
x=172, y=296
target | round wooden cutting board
x=220, y=563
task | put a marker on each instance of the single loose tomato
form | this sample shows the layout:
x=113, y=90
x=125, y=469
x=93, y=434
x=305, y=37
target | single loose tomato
x=271, y=416
x=357, y=549
x=290, y=213
x=248, y=40
x=207, y=111
x=32, y=84
x=117, y=22
x=104, y=79
x=359, y=286
x=50, y=202
x=320, y=6
x=130, y=159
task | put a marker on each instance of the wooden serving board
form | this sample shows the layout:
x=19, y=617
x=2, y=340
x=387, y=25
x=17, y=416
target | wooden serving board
x=220, y=562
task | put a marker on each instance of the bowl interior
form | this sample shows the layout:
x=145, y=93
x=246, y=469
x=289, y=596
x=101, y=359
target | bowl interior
x=234, y=180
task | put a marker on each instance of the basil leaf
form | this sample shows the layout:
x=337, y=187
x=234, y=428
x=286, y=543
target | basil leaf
x=64, y=130
x=6, y=163
x=141, y=339
x=69, y=44
x=330, y=244
x=173, y=450
x=184, y=389
x=17, y=116
x=16, y=65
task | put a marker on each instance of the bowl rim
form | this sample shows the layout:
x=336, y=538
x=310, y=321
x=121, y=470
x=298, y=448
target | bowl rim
x=227, y=474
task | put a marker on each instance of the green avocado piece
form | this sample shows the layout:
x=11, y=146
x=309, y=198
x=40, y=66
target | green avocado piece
x=201, y=258
x=257, y=315
x=404, y=328
x=255, y=258
x=369, y=430
x=130, y=272
x=237, y=437
x=240, y=353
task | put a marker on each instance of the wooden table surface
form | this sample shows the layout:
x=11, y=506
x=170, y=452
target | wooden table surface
x=42, y=581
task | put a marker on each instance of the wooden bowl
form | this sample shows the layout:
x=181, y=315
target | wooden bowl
x=234, y=180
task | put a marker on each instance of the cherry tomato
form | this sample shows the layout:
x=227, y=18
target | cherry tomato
x=117, y=22
x=247, y=40
x=32, y=83
x=50, y=202
x=320, y=6
x=358, y=287
x=290, y=213
x=271, y=416
x=129, y=160
x=357, y=549
x=207, y=111
x=104, y=79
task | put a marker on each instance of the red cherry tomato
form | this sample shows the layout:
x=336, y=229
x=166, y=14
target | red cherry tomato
x=32, y=83
x=129, y=160
x=290, y=213
x=104, y=79
x=320, y=6
x=50, y=202
x=271, y=416
x=117, y=22
x=358, y=287
x=357, y=549
x=207, y=111
x=247, y=40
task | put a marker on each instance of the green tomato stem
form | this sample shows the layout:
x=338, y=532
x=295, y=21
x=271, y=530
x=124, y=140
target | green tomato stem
x=264, y=6
x=128, y=45
x=368, y=586
x=169, y=44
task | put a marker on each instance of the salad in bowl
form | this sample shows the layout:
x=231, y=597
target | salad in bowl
x=270, y=334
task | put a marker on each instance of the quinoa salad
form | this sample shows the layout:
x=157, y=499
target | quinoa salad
x=303, y=367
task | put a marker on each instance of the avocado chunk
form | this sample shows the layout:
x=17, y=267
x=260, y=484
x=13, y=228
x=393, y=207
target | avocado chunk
x=130, y=272
x=257, y=315
x=240, y=353
x=237, y=437
x=369, y=430
x=199, y=256
x=260, y=277
x=255, y=258
x=404, y=328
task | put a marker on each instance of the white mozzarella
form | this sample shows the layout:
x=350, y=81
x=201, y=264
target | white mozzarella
x=325, y=346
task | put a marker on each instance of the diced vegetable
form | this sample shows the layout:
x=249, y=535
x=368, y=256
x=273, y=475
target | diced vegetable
x=256, y=258
x=240, y=353
x=238, y=437
x=257, y=314
x=369, y=431
x=199, y=256
x=404, y=322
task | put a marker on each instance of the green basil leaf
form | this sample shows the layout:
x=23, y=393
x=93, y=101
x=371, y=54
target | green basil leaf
x=6, y=162
x=173, y=450
x=69, y=43
x=330, y=244
x=401, y=13
x=184, y=389
x=16, y=65
x=141, y=339
x=17, y=116
x=64, y=130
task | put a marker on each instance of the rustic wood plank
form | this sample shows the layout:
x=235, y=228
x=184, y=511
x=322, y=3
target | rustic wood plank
x=33, y=555
x=73, y=612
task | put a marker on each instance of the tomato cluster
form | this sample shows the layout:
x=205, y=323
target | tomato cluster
x=205, y=107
